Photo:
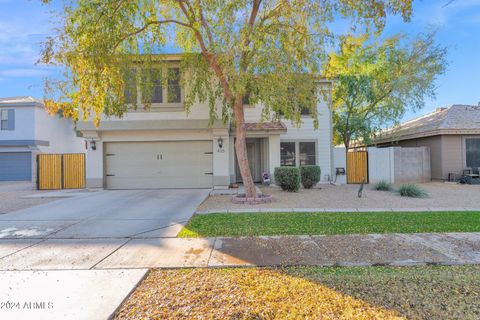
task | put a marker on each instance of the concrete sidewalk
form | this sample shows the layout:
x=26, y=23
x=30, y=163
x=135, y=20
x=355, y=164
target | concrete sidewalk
x=342, y=250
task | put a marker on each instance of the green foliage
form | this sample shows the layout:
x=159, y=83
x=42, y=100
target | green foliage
x=288, y=178
x=269, y=48
x=412, y=191
x=310, y=175
x=318, y=223
x=382, y=186
x=377, y=80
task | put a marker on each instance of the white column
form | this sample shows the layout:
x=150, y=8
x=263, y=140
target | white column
x=273, y=153
x=221, y=164
x=94, y=160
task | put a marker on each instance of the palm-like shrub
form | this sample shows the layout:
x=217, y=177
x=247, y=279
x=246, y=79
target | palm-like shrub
x=382, y=186
x=412, y=191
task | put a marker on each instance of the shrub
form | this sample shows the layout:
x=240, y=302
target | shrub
x=382, y=186
x=288, y=178
x=310, y=176
x=412, y=190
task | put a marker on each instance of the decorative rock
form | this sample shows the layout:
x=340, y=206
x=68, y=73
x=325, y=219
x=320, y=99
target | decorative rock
x=260, y=199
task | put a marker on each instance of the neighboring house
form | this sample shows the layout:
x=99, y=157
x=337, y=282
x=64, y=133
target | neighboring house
x=27, y=130
x=164, y=147
x=452, y=134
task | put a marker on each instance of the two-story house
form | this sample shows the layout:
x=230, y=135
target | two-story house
x=164, y=147
x=27, y=130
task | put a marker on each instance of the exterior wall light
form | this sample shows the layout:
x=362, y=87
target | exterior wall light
x=93, y=145
x=220, y=142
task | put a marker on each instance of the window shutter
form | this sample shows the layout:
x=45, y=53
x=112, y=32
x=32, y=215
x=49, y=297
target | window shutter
x=11, y=119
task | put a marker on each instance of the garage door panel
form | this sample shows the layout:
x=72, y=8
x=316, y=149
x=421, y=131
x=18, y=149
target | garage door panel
x=16, y=166
x=172, y=164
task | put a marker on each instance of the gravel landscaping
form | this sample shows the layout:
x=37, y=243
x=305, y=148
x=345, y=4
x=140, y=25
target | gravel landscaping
x=12, y=193
x=440, y=196
x=307, y=293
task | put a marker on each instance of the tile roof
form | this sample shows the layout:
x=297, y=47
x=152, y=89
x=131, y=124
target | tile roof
x=456, y=119
x=25, y=100
x=265, y=126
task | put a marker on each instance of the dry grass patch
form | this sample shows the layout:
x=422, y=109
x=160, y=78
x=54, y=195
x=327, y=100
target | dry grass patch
x=242, y=294
x=308, y=293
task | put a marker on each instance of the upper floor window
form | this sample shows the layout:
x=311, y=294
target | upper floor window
x=7, y=121
x=157, y=92
x=472, y=148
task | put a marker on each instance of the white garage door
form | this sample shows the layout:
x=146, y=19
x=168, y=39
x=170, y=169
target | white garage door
x=148, y=165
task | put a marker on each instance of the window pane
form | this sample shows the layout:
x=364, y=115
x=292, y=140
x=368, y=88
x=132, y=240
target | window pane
x=153, y=92
x=130, y=89
x=174, y=92
x=4, y=125
x=307, y=153
x=287, y=153
x=4, y=114
x=473, y=152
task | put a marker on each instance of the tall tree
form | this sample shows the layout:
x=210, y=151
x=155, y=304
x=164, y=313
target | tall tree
x=376, y=81
x=267, y=47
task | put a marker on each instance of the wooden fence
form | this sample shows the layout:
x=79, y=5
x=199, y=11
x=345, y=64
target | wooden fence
x=61, y=171
x=357, y=167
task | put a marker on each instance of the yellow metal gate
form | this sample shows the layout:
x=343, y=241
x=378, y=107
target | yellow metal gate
x=61, y=171
x=357, y=167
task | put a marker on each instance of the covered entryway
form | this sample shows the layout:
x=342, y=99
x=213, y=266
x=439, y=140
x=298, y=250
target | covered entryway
x=165, y=164
x=15, y=166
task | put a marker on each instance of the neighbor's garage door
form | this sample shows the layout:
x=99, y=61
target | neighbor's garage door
x=15, y=166
x=146, y=165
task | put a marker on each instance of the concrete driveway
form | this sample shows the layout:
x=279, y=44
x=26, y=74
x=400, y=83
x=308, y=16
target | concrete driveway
x=80, y=232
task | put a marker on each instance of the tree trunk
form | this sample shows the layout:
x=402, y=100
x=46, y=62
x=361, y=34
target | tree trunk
x=241, y=150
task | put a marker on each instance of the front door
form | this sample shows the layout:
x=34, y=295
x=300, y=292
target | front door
x=253, y=155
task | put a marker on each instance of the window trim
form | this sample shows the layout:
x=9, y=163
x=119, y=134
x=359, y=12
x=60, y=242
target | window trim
x=160, y=106
x=464, y=147
x=297, y=149
x=6, y=112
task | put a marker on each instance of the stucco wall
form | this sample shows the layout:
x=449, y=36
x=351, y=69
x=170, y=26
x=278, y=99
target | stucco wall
x=412, y=165
x=339, y=161
x=434, y=143
x=381, y=165
x=453, y=155
x=24, y=125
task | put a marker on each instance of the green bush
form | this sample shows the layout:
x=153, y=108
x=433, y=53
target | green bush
x=310, y=176
x=288, y=178
x=412, y=190
x=382, y=186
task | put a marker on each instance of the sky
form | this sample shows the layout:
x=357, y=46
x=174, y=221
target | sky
x=24, y=24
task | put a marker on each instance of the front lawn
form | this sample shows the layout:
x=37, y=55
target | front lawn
x=307, y=293
x=318, y=223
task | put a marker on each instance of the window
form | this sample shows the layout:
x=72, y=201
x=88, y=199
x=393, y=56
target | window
x=307, y=153
x=174, y=92
x=4, y=119
x=472, y=147
x=298, y=153
x=287, y=154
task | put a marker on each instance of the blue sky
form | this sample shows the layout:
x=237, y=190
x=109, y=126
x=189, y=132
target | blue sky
x=25, y=23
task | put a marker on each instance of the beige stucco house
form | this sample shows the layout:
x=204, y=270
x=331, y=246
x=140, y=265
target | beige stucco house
x=164, y=147
x=452, y=135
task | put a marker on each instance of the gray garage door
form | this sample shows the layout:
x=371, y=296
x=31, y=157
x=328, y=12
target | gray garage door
x=15, y=166
x=148, y=165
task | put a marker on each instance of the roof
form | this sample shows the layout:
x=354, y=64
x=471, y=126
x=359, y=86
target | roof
x=20, y=101
x=265, y=126
x=457, y=119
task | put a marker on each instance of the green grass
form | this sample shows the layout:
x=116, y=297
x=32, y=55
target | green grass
x=317, y=223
